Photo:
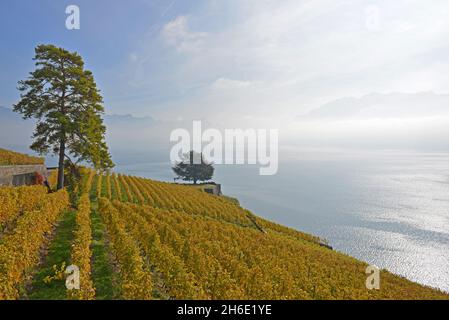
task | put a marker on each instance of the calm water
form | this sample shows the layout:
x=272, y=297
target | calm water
x=390, y=209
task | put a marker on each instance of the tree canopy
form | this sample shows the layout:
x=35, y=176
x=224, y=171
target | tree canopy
x=64, y=99
x=190, y=170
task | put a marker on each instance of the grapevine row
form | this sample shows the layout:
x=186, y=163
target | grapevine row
x=128, y=193
x=234, y=262
x=183, y=198
x=108, y=186
x=14, y=201
x=30, y=235
x=118, y=190
x=99, y=185
x=181, y=283
x=135, y=280
x=81, y=252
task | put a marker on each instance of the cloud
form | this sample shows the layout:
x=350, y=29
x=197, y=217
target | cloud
x=177, y=34
x=262, y=63
x=302, y=53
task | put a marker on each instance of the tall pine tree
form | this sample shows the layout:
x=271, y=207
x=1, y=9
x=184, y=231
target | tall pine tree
x=64, y=99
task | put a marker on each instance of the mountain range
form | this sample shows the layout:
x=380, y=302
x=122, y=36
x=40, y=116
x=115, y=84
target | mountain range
x=383, y=106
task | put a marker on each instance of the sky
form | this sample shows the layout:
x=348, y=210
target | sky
x=241, y=63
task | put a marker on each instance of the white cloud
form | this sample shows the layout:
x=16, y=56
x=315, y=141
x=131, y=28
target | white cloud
x=275, y=59
x=320, y=46
x=176, y=33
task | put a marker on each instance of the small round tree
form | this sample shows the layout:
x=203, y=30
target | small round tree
x=194, y=167
x=64, y=99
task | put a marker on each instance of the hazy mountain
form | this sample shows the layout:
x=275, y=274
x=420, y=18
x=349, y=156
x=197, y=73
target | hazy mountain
x=417, y=121
x=14, y=129
x=384, y=106
x=131, y=139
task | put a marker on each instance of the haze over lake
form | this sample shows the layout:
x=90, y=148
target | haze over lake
x=388, y=208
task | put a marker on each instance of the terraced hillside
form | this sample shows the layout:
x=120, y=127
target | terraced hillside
x=135, y=238
x=8, y=157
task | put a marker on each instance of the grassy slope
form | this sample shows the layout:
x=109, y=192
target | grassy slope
x=58, y=253
x=102, y=273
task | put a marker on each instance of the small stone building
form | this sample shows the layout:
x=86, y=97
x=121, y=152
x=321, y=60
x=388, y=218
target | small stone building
x=213, y=189
x=19, y=175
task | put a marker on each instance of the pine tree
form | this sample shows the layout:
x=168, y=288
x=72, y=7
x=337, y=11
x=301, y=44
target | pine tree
x=64, y=99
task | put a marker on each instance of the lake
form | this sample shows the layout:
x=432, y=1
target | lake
x=387, y=208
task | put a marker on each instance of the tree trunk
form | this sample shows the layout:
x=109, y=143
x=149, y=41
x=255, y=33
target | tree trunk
x=61, y=165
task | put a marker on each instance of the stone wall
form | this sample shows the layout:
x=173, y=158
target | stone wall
x=20, y=175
